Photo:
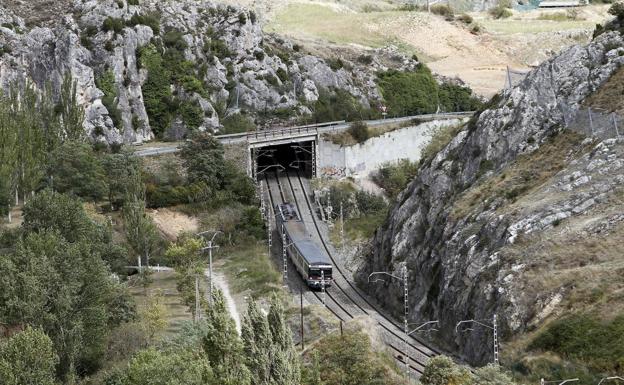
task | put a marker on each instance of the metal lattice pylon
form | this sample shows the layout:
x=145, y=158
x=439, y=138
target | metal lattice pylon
x=495, y=328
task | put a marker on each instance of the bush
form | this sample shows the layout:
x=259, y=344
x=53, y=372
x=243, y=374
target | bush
x=106, y=83
x=113, y=24
x=151, y=20
x=465, y=18
x=192, y=114
x=617, y=9
x=335, y=64
x=441, y=370
x=499, y=12
x=339, y=105
x=442, y=10
x=409, y=93
x=359, y=131
x=237, y=123
x=454, y=97
x=394, y=178
x=365, y=59
x=133, y=2
x=598, y=344
x=282, y=74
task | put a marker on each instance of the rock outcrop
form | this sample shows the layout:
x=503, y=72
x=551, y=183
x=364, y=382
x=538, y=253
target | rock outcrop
x=513, y=175
x=233, y=67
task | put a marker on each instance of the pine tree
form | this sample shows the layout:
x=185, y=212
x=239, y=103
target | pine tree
x=258, y=344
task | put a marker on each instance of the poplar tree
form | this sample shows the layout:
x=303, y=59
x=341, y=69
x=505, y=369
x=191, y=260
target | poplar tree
x=258, y=344
x=286, y=369
x=223, y=346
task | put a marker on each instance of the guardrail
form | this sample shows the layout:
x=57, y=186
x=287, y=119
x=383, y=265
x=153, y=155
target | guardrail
x=286, y=131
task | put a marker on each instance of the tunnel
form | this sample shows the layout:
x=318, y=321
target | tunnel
x=285, y=157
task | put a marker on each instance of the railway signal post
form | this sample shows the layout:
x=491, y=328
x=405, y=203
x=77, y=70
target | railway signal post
x=493, y=327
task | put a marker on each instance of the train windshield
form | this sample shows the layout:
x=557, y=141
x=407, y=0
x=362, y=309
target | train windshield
x=315, y=272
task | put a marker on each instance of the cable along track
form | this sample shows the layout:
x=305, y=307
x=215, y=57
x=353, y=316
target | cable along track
x=343, y=301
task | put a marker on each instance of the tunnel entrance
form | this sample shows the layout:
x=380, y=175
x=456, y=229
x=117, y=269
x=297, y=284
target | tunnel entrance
x=299, y=156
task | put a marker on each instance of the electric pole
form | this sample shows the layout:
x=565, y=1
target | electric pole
x=323, y=286
x=285, y=272
x=209, y=248
x=342, y=240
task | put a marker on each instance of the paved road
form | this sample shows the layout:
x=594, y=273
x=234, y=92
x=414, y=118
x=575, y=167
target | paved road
x=241, y=138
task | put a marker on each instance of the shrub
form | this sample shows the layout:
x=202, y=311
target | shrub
x=133, y=2
x=365, y=59
x=409, y=93
x=359, y=131
x=394, y=178
x=237, y=123
x=441, y=370
x=617, y=9
x=282, y=74
x=598, y=344
x=151, y=20
x=106, y=83
x=156, y=90
x=259, y=55
x=465, y=18
x=442, y=10
x=335, y=64
x=192, y=114
x=113, y=24
x=454, y=97
x=174, y=39
x=242, y=18
x=499, y=12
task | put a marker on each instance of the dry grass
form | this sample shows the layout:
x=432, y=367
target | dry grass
x=609, y=95
x=525, y=174
x=440, y=139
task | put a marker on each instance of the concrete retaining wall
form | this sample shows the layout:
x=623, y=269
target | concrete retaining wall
x=360, y=160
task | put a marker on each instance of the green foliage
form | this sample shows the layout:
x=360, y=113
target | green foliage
x=335, y=64
x=223, y=346
x=174, y=39
x=151, y=20
x=600, y=345
x=122, y=172
x=499, y=12
x=113, y=24
x=76, y=170
x=492, y=374
x=457, y=98
x=236, y=123
x=393, y=178
x=63, y=288
x=441, y=370
x=347, y=360
x=283, y=75
x=617, y=9
x=359, y=131
x=152, y=367
x=442, y=10
x=106, y=83
x=141, y=232
x=465, y=18
x=157, y=95
x=269, y=351
x=219, y=48
x=28, y=358
x=133, y=2
x=339, y=105
x=192, y=114
x=203, y=158
x=409, y=93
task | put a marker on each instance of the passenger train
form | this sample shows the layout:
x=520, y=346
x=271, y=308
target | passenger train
x=311, y=262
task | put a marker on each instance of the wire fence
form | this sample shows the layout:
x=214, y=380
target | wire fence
x=514, y=77
x=596, y=123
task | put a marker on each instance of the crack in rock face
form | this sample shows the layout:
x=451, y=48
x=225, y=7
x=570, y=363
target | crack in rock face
x=457, y=265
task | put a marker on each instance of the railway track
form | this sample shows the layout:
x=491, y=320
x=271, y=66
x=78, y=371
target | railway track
x=345, y=302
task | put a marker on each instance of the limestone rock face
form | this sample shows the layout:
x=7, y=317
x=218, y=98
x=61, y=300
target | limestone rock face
x=241, y=70
x=458, y=265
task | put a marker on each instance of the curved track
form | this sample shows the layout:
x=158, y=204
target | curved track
x=344, y=300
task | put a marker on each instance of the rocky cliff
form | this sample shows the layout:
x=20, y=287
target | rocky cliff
x=516, y=216
x=146, y=67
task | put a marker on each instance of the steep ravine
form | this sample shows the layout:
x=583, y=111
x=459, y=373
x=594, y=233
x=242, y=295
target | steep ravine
x=483, y=227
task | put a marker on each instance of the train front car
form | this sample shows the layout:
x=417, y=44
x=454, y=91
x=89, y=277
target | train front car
x=312, y=262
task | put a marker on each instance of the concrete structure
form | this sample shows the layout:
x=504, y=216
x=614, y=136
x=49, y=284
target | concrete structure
x=561, y=3
x=360, y=160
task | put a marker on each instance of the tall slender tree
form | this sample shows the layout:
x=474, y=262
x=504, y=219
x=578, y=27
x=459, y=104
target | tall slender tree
x=258, y=344
x=223, y=346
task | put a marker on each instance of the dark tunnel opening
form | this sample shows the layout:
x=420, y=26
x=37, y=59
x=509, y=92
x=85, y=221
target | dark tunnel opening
x=285, y=157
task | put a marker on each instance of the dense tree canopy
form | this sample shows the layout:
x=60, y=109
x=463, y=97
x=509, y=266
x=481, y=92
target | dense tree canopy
x=28, y=358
